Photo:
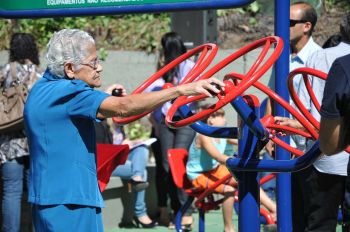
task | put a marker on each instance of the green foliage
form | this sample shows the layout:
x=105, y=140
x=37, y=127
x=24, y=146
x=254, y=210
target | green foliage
x=136, y=130
x=251, y=9
x=343, y=3
x=102, y=54
x=129, y=32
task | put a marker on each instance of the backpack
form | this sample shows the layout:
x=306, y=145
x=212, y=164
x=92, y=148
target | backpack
x=13, y=98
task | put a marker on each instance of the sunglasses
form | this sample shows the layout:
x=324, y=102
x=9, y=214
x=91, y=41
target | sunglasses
x=292, y=22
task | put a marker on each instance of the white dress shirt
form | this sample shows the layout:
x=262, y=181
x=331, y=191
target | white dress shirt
x=323, y=60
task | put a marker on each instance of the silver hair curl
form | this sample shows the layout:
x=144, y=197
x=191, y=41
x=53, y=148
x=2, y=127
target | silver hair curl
x=67, y=45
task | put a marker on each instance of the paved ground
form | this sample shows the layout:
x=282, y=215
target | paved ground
x=213, y=223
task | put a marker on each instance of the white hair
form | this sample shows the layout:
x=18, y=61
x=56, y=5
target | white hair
x=67, y=45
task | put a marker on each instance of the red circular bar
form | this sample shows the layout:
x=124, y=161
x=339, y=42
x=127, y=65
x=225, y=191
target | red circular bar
x=231, y=91
x=305, y=72
x=269, y=122
x=208, y=52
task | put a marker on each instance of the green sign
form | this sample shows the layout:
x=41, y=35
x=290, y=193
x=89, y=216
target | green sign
x=55, y=4
x=54, y=8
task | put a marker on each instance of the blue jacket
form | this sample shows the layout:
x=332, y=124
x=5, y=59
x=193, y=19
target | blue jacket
x=59, y=116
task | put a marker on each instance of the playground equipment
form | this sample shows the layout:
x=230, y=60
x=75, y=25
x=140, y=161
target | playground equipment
x=207, y=54
x=53, y=8
x=204, y=197
x=254, y=134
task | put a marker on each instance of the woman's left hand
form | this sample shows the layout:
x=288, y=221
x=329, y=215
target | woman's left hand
x=110, y=89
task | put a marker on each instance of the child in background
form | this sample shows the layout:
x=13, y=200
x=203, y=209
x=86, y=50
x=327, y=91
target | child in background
x=206, y=165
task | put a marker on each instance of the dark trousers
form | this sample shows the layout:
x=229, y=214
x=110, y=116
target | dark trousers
x=346, y=203
x=316, y=198
x=174, y=138
x=161, y=184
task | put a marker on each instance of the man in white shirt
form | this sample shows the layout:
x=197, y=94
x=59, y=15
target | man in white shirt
x=303, y=19
x=323, y=183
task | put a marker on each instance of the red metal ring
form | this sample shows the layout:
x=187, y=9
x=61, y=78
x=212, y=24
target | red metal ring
x=208, y=52
x=255, y=72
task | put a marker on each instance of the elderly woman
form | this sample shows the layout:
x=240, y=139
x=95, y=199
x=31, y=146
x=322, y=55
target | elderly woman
x=59, y=116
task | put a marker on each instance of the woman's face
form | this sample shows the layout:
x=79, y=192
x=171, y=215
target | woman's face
x=90, y=69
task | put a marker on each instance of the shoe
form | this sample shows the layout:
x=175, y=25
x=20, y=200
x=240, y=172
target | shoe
x=143, y=225
x=171, y=226
x=187, y=227
x=137, y=185
x=270, y=228
x=127, y=225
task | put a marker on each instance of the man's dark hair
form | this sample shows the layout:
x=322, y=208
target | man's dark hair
x=309, y=14
x=22, y=47
x=345, y=28
x=332, y=41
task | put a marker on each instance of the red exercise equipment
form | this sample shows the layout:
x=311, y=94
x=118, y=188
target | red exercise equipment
x=109, y=156
x=207, y=54
x=204, y=197
x=305, y=72
x=231, y=92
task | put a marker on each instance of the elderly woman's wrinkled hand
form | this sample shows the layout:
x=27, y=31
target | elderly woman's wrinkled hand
x=207, y=87
x=119, y=87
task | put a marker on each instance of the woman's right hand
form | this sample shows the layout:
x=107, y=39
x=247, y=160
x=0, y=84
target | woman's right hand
x=202, y=87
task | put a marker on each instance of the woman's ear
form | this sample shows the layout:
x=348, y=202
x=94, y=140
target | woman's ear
x=69, y=70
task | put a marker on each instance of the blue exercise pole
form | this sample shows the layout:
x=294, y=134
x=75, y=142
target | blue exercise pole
x=284, y=207
x=248, y=182
x=252, y=134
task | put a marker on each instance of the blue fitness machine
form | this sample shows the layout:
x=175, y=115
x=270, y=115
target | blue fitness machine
x=251, y=130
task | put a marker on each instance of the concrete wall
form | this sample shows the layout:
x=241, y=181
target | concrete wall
x=119, y=206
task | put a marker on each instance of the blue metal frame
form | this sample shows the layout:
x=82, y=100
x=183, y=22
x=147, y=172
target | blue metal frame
x=181, y=212
x=248, y=182
x=252, y=132
x=146, y=8
x=251, y=140
x=284, y=207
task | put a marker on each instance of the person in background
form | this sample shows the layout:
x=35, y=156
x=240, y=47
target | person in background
x=63, y=186
x=173, y=47
x=303, y=19
x=206, y=165
x=323, y=183
x=155, y=119
x=332, y=41
x=133, y=170
x=14, y=154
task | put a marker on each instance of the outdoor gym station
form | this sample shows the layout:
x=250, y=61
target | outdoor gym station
x=254, y=130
